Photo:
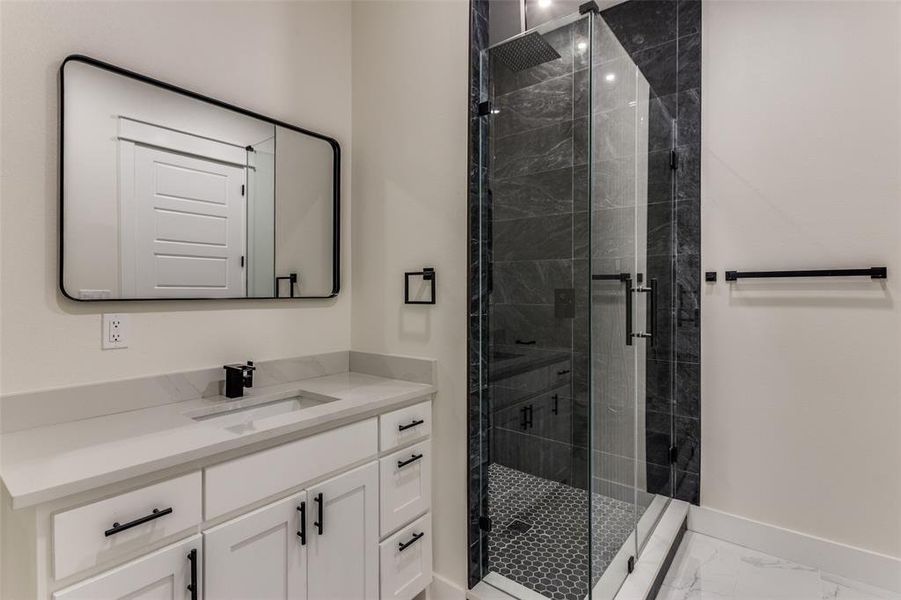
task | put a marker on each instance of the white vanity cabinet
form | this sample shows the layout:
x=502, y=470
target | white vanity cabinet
x=172, y=573
x=258, y=555
x=342, y=514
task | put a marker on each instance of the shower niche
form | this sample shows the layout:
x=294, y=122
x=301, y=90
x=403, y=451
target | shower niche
x=585, y=321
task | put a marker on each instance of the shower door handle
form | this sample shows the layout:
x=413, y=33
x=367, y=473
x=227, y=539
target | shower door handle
x=628, y=287
x=651, y=316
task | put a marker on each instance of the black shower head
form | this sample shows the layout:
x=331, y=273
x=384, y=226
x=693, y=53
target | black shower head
x=525, y=51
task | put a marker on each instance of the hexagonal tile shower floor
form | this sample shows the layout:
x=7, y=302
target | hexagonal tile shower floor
x=539, y=532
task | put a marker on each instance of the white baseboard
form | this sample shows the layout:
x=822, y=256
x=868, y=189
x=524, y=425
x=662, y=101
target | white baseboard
x=444, y=589
x=879, y=570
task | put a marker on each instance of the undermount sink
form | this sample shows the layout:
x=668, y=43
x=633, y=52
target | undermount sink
x=243, y=418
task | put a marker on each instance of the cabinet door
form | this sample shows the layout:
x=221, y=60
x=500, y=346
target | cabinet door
x=260, y=555
x=162, y=575
x=343, y=536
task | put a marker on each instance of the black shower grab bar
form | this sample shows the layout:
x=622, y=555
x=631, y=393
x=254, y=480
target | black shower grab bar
x=872, y=272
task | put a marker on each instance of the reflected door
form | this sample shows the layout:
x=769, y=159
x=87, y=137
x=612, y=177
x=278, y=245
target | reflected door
x=186, y=221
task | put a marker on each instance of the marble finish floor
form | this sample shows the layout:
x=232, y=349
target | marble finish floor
x=707, y=568
x=540, y=531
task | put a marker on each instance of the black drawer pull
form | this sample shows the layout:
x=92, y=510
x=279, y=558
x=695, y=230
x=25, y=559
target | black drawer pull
x=320, y=522
x=526, y=342
x=192, y=587
x=403, y=463
x=410, y=425
x=401, y=546
x=563, y=372
x=302, y=534
x=156, y=514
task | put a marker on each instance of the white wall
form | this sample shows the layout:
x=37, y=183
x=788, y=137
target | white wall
x=801, y=385
x=288, y=60
x=410, y=130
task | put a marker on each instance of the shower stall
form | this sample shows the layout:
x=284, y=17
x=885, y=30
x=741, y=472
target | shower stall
x=573, y=333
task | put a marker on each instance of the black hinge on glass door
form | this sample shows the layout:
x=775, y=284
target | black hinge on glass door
x=673, y=454
x=631, y=565
x=673, y=160
x=484, y=109
x=485, y=523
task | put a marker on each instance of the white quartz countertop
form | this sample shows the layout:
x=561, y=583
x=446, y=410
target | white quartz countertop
x=47, y=463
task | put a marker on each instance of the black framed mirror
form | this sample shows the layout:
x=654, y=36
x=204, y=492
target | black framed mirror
x=169, y=194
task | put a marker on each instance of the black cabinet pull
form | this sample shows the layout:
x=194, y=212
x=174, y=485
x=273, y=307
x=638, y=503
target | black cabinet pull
x=556, y=409
x=530, y=411
x=156, y=514
x=403, y=463
x=563, y=372
x=523, y=419
x=401, y=546
x=652, y=310
x=410, y=425
x=319, y=522
x=526, y=342
x=302, y=534
x=192, y=587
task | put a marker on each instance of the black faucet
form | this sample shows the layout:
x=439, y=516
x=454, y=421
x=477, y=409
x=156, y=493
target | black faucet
x=238, y=377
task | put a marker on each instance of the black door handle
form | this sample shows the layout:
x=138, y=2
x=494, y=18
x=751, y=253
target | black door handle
x=403, y=463
x=302, y=534
x=319, y=522
x=628, y=286
x=156, y=514
x=556, y=409
x=401, y=546
x=563, y=372
x=529, y=413
x=652, y=310
x=410, y=425
x=526, y=342
x=192, y=587
x=523, y=419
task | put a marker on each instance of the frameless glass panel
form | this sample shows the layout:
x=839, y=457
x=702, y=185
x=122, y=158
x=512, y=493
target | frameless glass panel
x=534, y=224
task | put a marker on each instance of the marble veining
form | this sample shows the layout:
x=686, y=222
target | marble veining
x=706, y=568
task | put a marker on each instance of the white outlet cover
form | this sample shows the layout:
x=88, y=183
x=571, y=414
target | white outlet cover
x=114, y=333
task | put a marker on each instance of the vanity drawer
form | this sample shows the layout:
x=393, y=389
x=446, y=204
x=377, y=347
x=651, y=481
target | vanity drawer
x=406, y=561
x=405, y=425
x=405, y=485
x=95, y=533
x=242, y=481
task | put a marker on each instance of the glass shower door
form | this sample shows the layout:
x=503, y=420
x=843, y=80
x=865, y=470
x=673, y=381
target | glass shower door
x=631, y=216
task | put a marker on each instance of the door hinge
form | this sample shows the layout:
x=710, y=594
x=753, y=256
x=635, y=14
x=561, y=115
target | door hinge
x=242, y=189
x=485, y=523
x=673, y=454
x=484, y=109
x=631, y=564
x=673, y=160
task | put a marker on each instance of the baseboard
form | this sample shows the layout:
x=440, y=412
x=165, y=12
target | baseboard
x=872, y=568
x=444, y=589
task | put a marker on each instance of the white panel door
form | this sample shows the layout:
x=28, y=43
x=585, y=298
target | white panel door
x=260, y=555
x=186, y=218
x=344, y=557
x=161, y=575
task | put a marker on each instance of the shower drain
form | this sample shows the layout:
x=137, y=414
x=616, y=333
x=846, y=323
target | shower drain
x=518, y=526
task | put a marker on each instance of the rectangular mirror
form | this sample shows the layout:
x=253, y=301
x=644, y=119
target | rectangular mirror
x=167, y=194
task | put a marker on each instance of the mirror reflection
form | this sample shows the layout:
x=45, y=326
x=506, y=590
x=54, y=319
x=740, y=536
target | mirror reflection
x=167, y=195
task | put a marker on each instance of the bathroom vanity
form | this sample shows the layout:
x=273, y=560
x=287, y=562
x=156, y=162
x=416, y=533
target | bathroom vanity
x=316, y=484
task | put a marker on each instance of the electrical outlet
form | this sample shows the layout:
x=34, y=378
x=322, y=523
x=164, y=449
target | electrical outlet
x=115, y=331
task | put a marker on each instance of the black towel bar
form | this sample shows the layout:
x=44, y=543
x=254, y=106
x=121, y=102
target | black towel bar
x=872, y=272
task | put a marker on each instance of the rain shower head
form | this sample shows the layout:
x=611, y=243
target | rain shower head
x=525, y=51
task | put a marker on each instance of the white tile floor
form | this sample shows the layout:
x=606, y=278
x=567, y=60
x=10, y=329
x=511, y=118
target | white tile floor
x=706, y=568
